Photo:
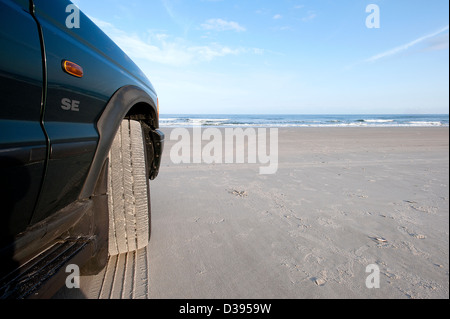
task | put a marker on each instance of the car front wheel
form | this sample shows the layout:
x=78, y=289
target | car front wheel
x=128, y=191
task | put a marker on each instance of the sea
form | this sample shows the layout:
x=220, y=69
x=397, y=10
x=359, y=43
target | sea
x=355, y=120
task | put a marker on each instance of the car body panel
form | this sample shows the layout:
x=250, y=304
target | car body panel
x=23, y=143
x=68, y=127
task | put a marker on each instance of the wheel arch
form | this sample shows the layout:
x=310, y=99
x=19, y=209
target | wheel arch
x=128, y=102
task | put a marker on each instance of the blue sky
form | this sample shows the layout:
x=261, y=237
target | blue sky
x=285, y=56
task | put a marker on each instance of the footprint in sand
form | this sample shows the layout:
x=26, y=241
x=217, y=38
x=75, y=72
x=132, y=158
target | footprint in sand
x=411, y=233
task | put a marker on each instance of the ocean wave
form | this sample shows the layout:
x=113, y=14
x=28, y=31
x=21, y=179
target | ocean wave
x=378, y=121
x=304, y=121
x=424, y=123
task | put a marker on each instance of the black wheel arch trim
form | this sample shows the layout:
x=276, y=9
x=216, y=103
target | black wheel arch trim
x=115, y=111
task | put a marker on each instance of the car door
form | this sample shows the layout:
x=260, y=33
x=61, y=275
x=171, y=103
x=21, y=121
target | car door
x=73, y=103
x=23, y=146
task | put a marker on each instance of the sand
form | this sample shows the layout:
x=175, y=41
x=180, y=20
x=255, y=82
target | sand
x=342, y=199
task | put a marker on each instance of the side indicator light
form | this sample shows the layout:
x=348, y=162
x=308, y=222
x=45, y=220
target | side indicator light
x=72, y=68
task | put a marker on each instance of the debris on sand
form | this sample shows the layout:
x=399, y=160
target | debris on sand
x=238, y=193
x=379, y=239
x=320, y=282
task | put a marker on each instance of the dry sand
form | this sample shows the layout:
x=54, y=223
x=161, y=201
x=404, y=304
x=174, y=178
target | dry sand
x=342, y=199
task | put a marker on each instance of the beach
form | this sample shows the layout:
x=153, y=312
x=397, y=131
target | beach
x=342, y=199
x=345, y=205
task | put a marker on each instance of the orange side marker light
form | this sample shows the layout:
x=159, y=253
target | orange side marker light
x=72, y=69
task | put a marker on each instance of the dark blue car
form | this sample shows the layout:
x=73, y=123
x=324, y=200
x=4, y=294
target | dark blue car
x=79, y=142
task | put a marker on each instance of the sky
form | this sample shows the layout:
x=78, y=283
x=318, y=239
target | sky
x=285, y=56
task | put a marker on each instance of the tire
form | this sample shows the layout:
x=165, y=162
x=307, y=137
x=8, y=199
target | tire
x=128, y=191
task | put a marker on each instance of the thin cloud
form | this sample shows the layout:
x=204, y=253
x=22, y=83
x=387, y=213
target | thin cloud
x=438, y=43
x=405, y=47
x=169, y=8
x=222, y=25
x=311, y=16
x=163, y=49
